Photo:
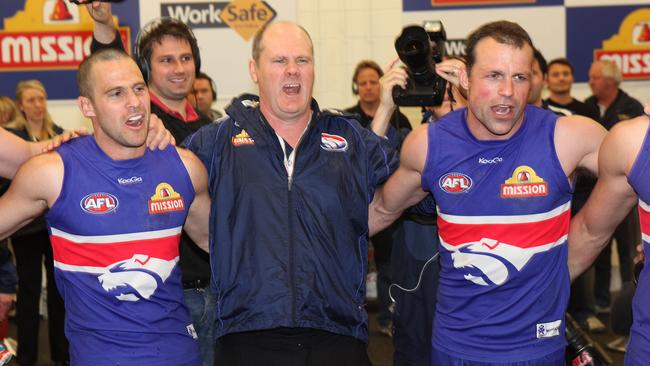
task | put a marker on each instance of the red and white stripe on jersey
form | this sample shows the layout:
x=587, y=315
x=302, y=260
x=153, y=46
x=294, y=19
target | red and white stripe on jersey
x=95, y=253
x=644, y=220
x=523, y=231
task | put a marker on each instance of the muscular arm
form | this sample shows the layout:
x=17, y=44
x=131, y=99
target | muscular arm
x=198, y=217
x=403, y=189
x=35, y=188
x=611, y=199
x=577, y=140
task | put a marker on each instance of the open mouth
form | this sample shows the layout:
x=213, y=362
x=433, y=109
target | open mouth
x=502, y=109
x=135, y=121
x=291, y=89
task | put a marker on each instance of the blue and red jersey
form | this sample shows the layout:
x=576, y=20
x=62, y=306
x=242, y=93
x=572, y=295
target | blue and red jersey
x=638, y=349
x=503, y=216
x=115, y=231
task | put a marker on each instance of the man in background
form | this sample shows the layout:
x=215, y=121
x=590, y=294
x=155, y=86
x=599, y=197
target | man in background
x=203, y=95
x=365, y=85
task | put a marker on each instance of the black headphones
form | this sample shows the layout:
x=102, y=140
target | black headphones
x=142, y=58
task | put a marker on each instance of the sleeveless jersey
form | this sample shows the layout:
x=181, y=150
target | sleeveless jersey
x=638, y=348
x=115, y=231
x=503, y=218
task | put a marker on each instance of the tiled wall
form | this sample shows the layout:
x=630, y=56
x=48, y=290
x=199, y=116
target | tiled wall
x=345, y=32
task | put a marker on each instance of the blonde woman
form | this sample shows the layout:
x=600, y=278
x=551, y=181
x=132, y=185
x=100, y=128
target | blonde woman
x=32, y=243
x=8, y=110
x=34, y=123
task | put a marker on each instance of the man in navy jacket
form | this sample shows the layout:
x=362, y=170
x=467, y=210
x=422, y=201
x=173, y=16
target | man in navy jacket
x=291, y=186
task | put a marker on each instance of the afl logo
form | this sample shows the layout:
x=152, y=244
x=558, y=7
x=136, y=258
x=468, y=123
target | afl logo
x=99, y=203
x=455, y=183
x=333, y=142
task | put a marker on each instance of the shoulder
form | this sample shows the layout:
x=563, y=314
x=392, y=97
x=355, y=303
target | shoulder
x=193, y=164
x=42, y=174
x=630, y=133
x=576, y=121
x=624, y=142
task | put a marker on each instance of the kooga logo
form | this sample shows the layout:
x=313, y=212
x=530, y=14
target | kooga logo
x=196, y=15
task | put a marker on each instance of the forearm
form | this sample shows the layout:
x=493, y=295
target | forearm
x=381, y=120
x=584, y=245
x=379, y=218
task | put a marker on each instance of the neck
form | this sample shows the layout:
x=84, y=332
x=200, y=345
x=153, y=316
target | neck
x=369, y=108
x=482, y=133
x=173, y=104
x=118, y=152
x=538, y=103
x=561, y=98
x=35, y=129
x=608, y=98
x=290, y=131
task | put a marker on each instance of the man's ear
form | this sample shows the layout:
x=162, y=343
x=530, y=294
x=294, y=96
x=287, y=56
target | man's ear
x=463, y=78
x=252, y=70
x=86, y=107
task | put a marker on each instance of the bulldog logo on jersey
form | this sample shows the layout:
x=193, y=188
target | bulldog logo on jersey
x=487, y=260
x=242, y=138
x=455, y=183
x=165, y=200
x=136, y=278
x=335, y=143
x=524, y=183
x=99, y=203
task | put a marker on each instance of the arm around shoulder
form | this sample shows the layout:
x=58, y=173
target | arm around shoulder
x=404, y=188
x=198, y=216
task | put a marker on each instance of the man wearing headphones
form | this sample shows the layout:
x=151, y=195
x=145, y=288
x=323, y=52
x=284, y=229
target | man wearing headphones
x=204, y=94
x=168, y=56
x=365, y=85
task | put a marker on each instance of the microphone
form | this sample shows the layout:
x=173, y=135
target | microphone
x=581, y=349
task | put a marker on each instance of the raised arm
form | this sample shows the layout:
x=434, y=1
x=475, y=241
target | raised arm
x=198, y=217
x=611, y=199
x=34, y=188
x=393, y=76
x=104, y=29
x=404, y=188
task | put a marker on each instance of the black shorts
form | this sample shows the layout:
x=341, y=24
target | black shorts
x=290, y=347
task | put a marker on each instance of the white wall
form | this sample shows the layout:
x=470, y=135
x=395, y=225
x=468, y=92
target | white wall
x=345, y=32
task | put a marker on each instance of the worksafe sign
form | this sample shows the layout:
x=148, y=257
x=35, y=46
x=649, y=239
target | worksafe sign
x=245, y=17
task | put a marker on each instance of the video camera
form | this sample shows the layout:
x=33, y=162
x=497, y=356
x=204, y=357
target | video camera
x=420, y=49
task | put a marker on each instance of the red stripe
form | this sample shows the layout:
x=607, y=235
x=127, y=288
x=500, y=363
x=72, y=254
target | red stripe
x=524, y=235
x=102, y=255
x=644, y=220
